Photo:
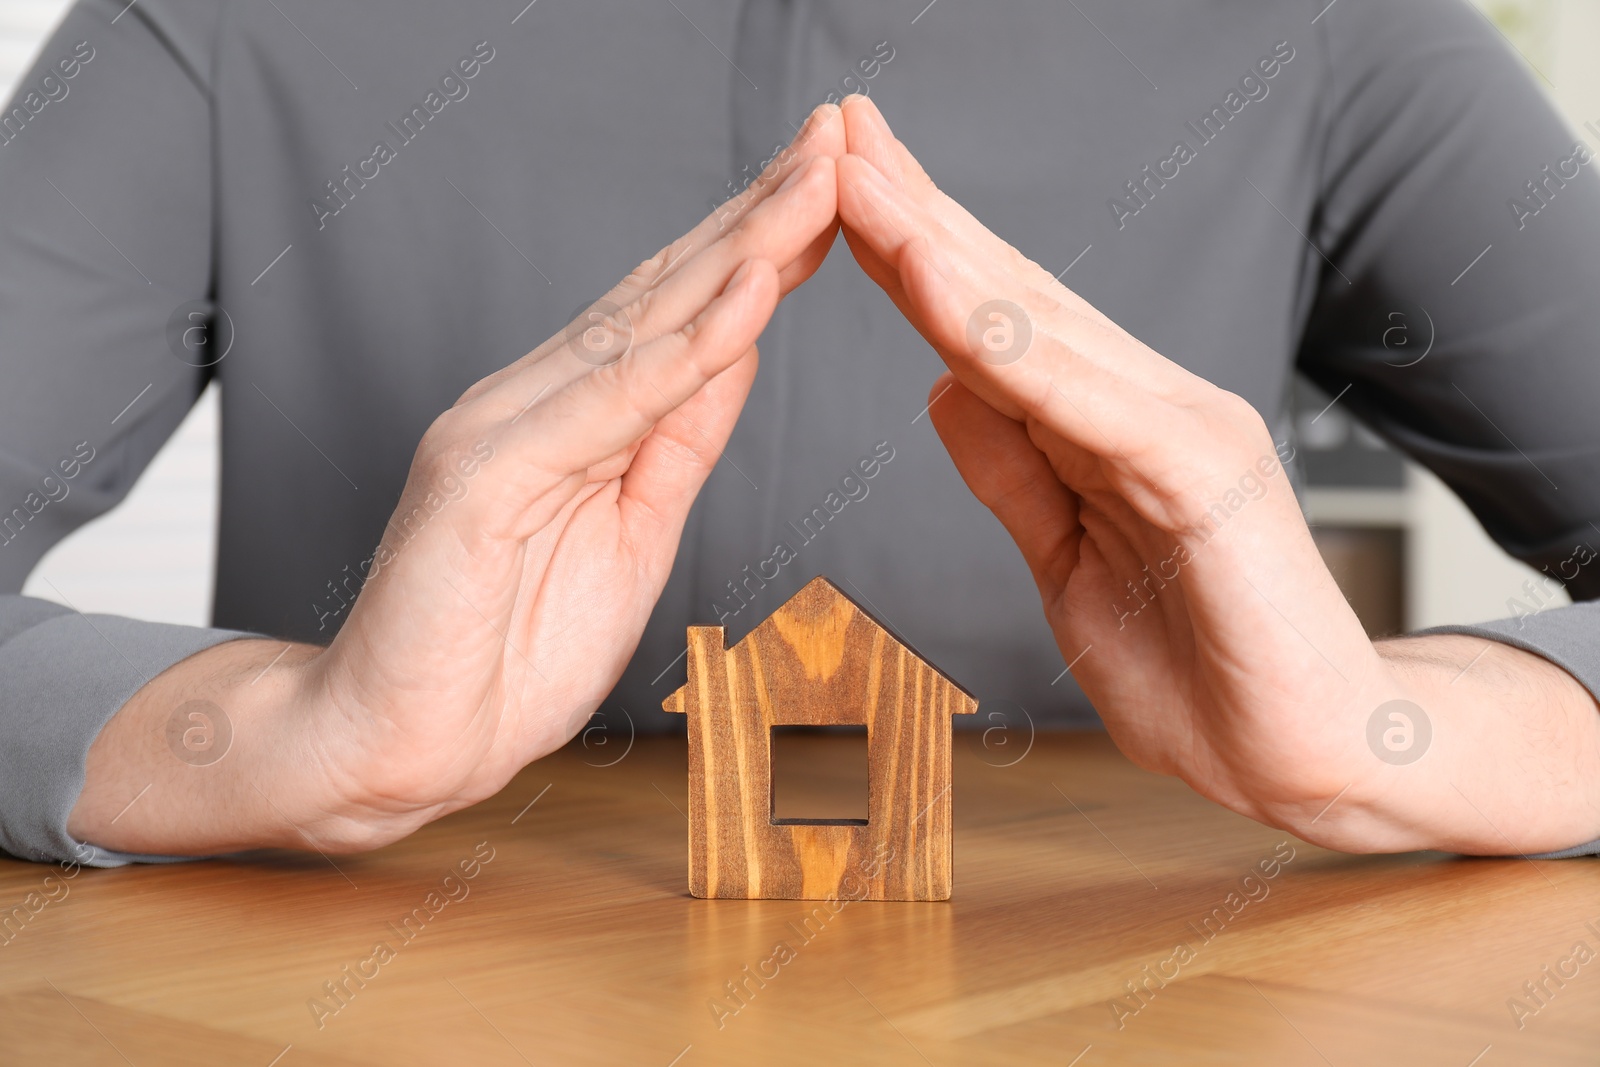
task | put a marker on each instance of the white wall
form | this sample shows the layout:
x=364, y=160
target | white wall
x=153, y=556
x=23, y=25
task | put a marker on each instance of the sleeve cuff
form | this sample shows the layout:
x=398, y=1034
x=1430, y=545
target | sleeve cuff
x=63, y=676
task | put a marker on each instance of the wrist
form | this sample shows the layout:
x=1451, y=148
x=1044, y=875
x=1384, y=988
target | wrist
x=367, y=782
x=306, y=764
x=195, y=761
x=1470, y=745
x=1348, y=793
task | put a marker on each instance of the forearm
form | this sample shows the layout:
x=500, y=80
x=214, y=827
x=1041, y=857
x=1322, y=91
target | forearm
x=220, y=752
x=1511, y=765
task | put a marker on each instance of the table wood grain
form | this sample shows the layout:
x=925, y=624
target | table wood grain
x=575, y=941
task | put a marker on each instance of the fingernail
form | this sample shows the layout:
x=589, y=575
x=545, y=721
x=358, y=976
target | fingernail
x=740, y=276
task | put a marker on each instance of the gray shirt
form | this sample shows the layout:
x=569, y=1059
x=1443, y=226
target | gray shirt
x=376, y=204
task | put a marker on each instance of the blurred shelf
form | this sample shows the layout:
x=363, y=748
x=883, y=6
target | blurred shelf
x=1326, y=506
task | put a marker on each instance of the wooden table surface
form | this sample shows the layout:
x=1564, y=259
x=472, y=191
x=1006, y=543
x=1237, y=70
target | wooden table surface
x=576, y=942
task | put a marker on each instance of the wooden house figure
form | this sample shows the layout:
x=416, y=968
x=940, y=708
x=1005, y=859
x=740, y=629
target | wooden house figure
x=820, y=659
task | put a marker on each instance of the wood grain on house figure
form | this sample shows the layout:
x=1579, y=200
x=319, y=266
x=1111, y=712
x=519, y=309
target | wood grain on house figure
x=819, y=660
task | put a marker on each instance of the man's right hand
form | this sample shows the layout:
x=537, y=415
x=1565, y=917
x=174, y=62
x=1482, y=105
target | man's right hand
x=537, y=528
x=1178, y=574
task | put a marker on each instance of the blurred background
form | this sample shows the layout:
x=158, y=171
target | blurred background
x=1405, y=551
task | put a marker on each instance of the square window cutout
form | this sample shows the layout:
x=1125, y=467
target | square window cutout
x=819, y=775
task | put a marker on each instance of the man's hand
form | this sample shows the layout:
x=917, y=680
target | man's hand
x=1178, y=573
x=535, y=533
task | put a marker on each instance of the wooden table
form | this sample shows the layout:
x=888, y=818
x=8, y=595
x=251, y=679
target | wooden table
x=577, y=942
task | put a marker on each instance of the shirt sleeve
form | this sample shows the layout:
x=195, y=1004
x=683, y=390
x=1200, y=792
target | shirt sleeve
x=64, y=675
x=105, y=253
x=1455, y=314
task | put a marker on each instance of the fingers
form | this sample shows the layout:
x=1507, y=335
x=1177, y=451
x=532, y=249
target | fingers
x=674, y=461
x=1013, y=479
x=980, y=321
x=1024, y=349
x=867, y=136
x=780, y=230
x=1161, y=437
x=868, y=141
x=616, y=321
x=790, y=277
x=822, y=136
x=593, y=417
x=920, y=267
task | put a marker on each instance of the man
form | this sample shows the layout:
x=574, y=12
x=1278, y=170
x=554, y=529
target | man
x=380, y=242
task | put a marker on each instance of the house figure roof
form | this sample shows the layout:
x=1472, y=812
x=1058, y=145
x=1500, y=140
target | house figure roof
x=818, y=660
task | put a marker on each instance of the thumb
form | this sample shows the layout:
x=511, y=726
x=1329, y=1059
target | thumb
x=1012, y=478
x=674, y=461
